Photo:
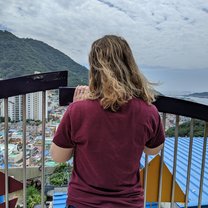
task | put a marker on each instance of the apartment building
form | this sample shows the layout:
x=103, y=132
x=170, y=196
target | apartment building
x=33, y=107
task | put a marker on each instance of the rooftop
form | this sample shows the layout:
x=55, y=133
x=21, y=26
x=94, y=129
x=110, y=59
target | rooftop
x=182, y=164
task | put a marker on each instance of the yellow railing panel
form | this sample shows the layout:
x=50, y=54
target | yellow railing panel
x=153, y=183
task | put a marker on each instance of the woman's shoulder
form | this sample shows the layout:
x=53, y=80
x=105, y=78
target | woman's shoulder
x=83, y=104
x=144, y=106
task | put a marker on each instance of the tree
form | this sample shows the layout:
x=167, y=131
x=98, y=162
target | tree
x=60, y=176
x=33, y=196
x=2, y=119
x=184, y=129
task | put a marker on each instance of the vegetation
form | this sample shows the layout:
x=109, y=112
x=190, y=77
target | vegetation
x=2, y=119
x=60, y=176
x=33, y=196
x=184, y=129
x=20, y=56
x=33, y=122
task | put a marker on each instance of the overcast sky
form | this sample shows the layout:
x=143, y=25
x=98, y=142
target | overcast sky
x=169, y=38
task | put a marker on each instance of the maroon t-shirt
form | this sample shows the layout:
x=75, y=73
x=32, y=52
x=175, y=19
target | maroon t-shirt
x=107, y=151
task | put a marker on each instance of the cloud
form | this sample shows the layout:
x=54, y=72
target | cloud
x=170, y=34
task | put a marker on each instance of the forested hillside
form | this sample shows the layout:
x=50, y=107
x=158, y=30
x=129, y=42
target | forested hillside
x=20, y=56
x=184, y=129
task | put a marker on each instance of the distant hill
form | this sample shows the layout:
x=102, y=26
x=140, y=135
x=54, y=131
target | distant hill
x=20, y=56
x=199, y=95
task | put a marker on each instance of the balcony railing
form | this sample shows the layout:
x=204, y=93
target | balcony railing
x=22, y=86
x=166, y=105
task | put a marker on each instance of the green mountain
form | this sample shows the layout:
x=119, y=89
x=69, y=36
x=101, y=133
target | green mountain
x=20, y=56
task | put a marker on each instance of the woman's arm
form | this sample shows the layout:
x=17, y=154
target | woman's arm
x=62, y=146
x=153, y=151
x=60, y=154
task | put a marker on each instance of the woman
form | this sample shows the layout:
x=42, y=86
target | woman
x=107, y=128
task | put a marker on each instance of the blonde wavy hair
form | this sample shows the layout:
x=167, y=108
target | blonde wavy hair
x=114, y=75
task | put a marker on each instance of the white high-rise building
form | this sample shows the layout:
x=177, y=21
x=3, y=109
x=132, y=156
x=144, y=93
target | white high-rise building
x=11, y=114
x=18, y=108
x=33, y=107
x=37, y=104
x=29, y=101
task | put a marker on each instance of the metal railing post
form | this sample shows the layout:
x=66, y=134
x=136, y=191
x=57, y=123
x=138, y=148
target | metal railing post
x=175, y=162
x=161, y=166
x=43, y=148
x=203, y=164
x=6, y=142
x=145, y=179
x=24, y=150
x=189, y=161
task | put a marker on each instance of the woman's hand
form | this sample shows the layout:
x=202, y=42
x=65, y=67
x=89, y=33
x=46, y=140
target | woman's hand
x=81, y=93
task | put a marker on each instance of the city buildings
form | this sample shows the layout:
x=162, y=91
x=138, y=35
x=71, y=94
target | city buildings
x=33, y=107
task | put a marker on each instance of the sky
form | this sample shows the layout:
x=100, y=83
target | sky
x=169, y=38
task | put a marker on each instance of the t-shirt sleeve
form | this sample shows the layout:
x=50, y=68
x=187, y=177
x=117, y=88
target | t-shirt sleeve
x=157, y=136
x=62, y=137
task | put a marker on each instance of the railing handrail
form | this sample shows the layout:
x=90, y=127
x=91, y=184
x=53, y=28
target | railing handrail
x=163, y=103
x=54, y=80
x=32, y=83
x=182, y=107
